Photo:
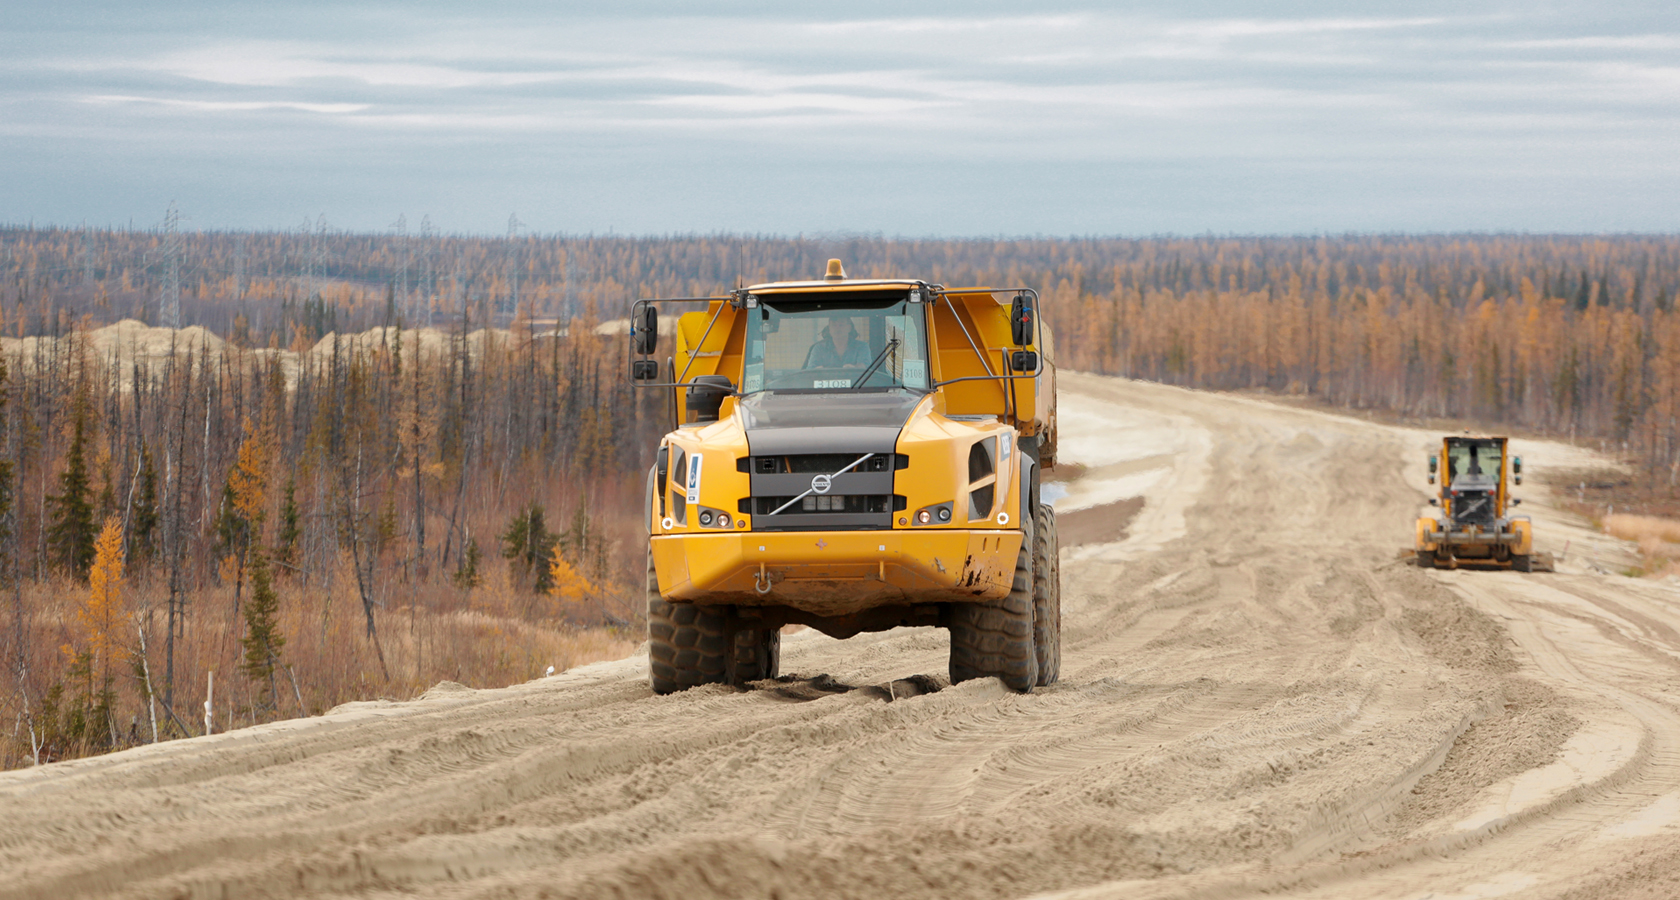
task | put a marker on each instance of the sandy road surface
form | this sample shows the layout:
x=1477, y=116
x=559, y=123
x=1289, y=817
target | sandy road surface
x=1253, y=703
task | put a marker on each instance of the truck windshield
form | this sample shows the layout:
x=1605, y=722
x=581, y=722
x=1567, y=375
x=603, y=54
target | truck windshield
x=1473, y=464
x=833, y=344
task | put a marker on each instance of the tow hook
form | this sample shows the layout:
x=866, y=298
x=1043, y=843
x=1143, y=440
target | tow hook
x=761, y=581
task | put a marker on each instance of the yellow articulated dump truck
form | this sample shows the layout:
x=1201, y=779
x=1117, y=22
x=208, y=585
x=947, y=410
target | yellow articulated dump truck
x=852, y=455
x=1474, y=525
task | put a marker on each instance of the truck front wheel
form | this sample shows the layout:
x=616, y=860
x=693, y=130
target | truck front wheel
x=995, y=638
x=688, y=645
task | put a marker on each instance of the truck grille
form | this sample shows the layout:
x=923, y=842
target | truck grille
x=814, y=504
x=858, y=500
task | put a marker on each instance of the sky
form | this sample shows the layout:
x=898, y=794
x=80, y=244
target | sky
x=932, y=119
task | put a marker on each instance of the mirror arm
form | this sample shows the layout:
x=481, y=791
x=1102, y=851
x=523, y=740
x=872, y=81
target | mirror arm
x=984, y=362
x=684, y=384
x=940, y=384
x=701, y=345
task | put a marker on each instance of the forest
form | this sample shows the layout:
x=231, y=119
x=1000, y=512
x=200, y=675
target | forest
x=364, y=464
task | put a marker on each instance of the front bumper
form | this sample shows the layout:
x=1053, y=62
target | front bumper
x=1474, y=540
x=832, y=573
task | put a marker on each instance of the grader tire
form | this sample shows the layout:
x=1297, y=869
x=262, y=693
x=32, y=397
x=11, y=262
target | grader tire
x=688, y=645
x=1426, y=559
x=1047, y=597
x=995, y=638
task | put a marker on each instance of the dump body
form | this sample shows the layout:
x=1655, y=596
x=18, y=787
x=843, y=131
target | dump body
x=845, y=480
x=1474, y=524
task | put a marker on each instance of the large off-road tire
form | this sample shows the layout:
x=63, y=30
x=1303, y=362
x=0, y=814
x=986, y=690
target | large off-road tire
x=1047, y=596
x=757, y=652
x=688, y=645
x=995, y=638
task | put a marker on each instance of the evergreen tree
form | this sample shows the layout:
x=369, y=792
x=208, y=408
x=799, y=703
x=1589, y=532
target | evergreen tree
x=142, y=540
x=231, y=527
x=285, y=550
x=263, y=640
x=71, y=532
x=529, y=547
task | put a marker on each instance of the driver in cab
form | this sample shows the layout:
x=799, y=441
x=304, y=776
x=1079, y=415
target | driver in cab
x=838, y=347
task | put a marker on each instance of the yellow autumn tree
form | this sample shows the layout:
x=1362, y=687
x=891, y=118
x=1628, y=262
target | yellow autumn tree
x=240, y=520
x=104, y=616
x=248, y=480
x=570, y=587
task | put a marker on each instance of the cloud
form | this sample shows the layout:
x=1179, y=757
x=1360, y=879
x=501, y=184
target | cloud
x=1155, y=96
x=234, y=105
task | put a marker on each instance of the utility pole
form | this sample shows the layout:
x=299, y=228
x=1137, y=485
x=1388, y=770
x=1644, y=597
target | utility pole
x=461, y=291
x=399, y=229
x=85, y=251
x=428, y=277
x=170, y=311
x=566, y=285
x=239, y=268
x=513, y=264
x=318, y=256
x=306, y=259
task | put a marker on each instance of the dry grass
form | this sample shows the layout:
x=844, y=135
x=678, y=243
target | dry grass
x=1658, y=539
x=491, y=636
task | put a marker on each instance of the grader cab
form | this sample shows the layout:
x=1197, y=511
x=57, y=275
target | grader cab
x=851, y=455
x=1474, y=525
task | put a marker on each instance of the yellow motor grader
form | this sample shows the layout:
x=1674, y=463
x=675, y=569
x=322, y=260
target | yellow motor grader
x=1474, y=525
x=852, y=455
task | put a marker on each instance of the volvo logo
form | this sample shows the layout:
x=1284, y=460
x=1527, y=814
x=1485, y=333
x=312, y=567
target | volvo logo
x=822, y=483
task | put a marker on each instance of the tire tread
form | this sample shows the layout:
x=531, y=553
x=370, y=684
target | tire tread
x=995, y=638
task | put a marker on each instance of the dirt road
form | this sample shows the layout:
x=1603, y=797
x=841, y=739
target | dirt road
x=1254, y=702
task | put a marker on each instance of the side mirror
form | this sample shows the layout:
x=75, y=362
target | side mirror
x=1516, y=469
x=1434, y=464
x=1021, y=321
x=644, y=328
x=1516, y=501
x=644, y=370
x=1434, y=501
x=1024, y=361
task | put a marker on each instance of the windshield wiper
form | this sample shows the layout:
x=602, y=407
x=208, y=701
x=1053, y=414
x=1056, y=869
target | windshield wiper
x=892, y=343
